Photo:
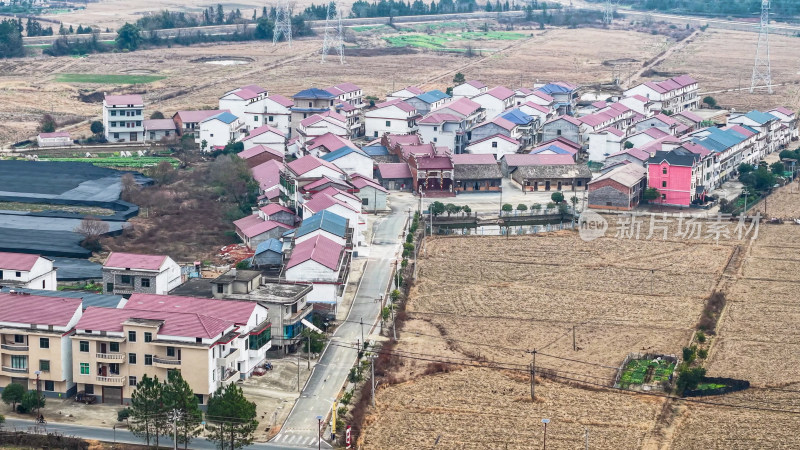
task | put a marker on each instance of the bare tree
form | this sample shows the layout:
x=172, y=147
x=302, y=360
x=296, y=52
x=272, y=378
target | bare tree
x=129, y=187
x=91, y=228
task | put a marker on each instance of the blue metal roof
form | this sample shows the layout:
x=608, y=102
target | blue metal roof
x=344, y=151
x=375, y=150
x=748, y=127
x=314, y=93
x=272, y=245
x=324, y=220
x=729, y=138
x=760, y=117
x=88, y=298
x=225, y=117
x=714, y=146
x=516, y=116
x=551, y=88
x=432, y=96
x=554, y=148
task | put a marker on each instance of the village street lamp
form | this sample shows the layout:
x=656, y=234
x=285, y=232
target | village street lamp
x=319, y=432
x=544, y=442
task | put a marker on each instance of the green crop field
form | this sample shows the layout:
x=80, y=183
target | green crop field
x=367, y=28
x=636, y=370
x=443, y=41
x=125, y=162
x=106, y=78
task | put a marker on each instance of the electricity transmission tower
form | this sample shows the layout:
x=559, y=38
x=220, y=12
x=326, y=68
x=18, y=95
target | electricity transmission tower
x=334, y=33
x=608, y=12
x=762, y=72
x=283, y=23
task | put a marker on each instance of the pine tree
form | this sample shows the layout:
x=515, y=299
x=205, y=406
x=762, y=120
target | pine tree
x=148, y=417
x=220, y=14
x=178, y=396
x=232, y=418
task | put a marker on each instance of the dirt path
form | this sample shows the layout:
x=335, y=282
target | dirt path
x=661, y=58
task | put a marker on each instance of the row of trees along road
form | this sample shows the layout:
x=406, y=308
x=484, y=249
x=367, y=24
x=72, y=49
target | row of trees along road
x=155, y=406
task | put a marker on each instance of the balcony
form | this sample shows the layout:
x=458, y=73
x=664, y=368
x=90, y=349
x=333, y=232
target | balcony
x=15, y=369
x=110, y=381
x=110, y=356
x=229, y=358
x=166, y=362
x=14, y=347
x=230, y=377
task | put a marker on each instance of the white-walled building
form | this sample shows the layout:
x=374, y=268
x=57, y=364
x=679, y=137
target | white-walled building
x=265, y=135
x=219, y=130
x=469, y=89
x=497, y=145
x=322, y=263
x=319, y=124
x=158, y=129
x=275, y=111
x=495, y=101
x=393, y=116
x=128, y=273
x=675, y=94
x=56, y=139
x=405, y=93
x=238, y=100
x=351, y=160
x=123, y=118
x=22, y=270
x=444, y=130
x=310, y=167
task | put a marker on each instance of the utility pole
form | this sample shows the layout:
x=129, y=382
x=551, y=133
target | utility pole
x=174, y=417
x=372, y=376
x=308, y=339
x=298, y=374
x=586, y=438
x=574, y=348
x=762, y=71
x=533, y=376
x=394, y=330
x=362, y=329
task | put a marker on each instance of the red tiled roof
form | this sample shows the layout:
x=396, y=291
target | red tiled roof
x=561, y=142
x=595, y=119
x=345, y=106
x=600, y=104
x=543, y=95
x=267, y=174
x=439, y=118
x=397, y=102
x=696, y=148
x=615, y=131
x=312, y=187
x=130, y=99
x=420, y=149
x=66, y=133
x=684, y=80
x=476, y=84
x=274, y=208
x=253, y=225
x=322, y=201
x=504, y=123
x=434, y=162
x=17, y=261
x=39, y=310
x=691, y=116
x=264, y=129
x=639, y=154
x=257, y=150
x=361, y=182
x=236, y=311
x=569, y=119
x=537, y=107
x=525, y=91
x=783, y=110
x=741, y=130
x=641, y=98
x=187, y=324
x=281, y=100
x=537, y=160
x=500, y=92
x=157, y=124
x=322, y=116
x=403, y=139
x=655, y=133
x=330, y=141
x=463, y=106
x=394, y=170
x=319, y=249
x=199, y=115
x=344, y=88
x=498, y=136
x=134, y=261
x=333, y=192
x=468, y=158
x=308, y=163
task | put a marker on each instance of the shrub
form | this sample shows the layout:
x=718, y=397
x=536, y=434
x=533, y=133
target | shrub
x=689, y=354
x=408, y=246
x=404, y=263
x=689, y=378
x=702, y=353
x=123, y=414
x=409, y=238
x=701, y=337
x=522, y=207
x=507, y=207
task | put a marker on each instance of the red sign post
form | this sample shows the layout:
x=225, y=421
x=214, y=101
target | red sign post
x=347, y=437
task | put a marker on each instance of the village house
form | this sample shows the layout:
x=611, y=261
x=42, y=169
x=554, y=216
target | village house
x=540, y=98
x=278, y=213
x=35, y=339
x=238, y=100
x=327, y=143
x=157, y=129
x=566, y=127
x=495, y=101
x=188, y=122
x=323, y=183
x=474, y=173
x=558, y=146
x=424, y=103
x=556, y=177
x=274, y=110
x=23, y=270
x=788, y=119
x=565, y=96
x=674, y=94
x=664, y=123
x=604, y=143
x=691, y=120
x=259, y=154
x=431, y=172
x=309, y=168
x=217, y=131
x=351, y=160
x=235, y=281
x=327, y=224
x=348, y=92
x=340, y=205
x=310, y=102
x=320, y=124
x=352, y=117
x=541, y=114
x=525, y=125
x=405, y=93
x=444, y=129
x=212, y=342
x=672, y=173
x=323, y=264
x=123, y=117
x=266, y=135
x=618, y=189
x=393, y=116
x=128, y=273
x=268, y=255
x=765, y=124
x=630, y=155
x=510, y=163
x=276, y=183
x=395, y=176
x=55, y=139
x=372, y=195
x=496, y=145
x=254, y=229
x=469, y=89
x=349, y=199
x=496, y=126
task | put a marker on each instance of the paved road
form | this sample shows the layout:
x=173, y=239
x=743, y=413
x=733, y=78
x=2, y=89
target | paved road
x=330, y=373
x=110, y=435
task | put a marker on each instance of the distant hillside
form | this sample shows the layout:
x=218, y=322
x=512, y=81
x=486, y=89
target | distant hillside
x=740, y=8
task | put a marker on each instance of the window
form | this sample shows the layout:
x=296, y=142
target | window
x=138, y=123
x=494, y=144
x=138, y=112
x=664, y=170
x=663, y=196
x=84, y=346
x=44, y=342
x=116, y=135
x=171, y=351
x=132, y=381
x=331, y=104
x=260, y=340
x=125, y=279
x=152, y=135
x=375, y=134
x=663, y=184
x=198, y=340
x=212, y=134
x=388, y=123
x=89, y=388
x=148, y=360
x=19, y=339
x=19, y=362
x=131, y=336
x=148, y=336
x=19, y=274
x=220, y=288
x=558, y=132
x=1, y=272
x=49, y=385
x=44, y=284
x=435, y=128
x=113, y=347
x=310, y=104
x=113, y=112
x=365, y=201
x=271, y=118
x=131, y=358
x=255, y=118
x=435, y=139
x=113, y=124
x=109, y=287
x=44, y=365
x=146, y=283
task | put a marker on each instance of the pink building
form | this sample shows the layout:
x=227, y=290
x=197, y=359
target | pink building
x=672, y=174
